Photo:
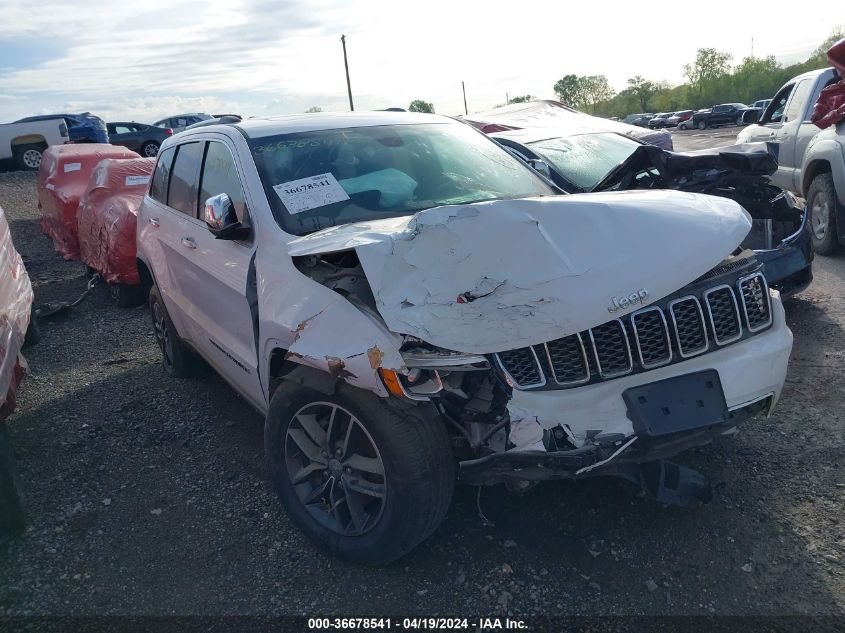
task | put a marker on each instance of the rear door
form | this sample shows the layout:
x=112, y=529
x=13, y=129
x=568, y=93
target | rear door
x=174, y=224
x=124, y=134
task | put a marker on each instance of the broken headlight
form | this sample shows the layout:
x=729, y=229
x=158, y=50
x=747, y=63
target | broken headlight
x=425, y=369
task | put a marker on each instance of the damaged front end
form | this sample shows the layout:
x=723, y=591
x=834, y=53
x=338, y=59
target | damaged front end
x=779, y=232
x=568, y=337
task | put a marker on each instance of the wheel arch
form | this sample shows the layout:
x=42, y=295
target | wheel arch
x=813, y=169
x=282, y=368
x=29, y=139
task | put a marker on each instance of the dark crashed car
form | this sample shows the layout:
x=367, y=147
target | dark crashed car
x=580, y=161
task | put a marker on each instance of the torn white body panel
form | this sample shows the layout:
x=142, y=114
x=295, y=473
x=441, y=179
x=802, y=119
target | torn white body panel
x=505, y=274
x=322, y=329
x=748, y=370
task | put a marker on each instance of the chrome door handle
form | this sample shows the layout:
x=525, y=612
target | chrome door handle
x=155, y=222
x=189, y=243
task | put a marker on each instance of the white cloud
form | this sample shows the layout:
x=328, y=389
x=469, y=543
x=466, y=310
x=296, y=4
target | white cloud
x=147, y=60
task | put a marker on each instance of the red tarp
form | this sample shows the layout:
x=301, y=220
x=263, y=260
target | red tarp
x=108, y=215
x=15, y=307
x=62, y=179
x=830, y=107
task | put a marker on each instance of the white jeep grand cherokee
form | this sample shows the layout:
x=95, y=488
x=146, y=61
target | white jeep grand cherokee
x=410, y=305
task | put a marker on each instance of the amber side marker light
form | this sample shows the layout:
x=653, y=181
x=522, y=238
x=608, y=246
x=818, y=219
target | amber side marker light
x=391, y=381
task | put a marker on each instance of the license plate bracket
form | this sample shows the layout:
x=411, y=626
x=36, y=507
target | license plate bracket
x=677, y=404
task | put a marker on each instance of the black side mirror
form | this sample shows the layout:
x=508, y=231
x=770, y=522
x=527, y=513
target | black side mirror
x=221, y=219
x=751, y=116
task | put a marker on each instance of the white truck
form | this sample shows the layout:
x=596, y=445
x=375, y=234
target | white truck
x=26, y=142
x=811, y=163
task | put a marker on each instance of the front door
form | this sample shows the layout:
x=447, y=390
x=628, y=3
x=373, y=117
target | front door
x=214, y=278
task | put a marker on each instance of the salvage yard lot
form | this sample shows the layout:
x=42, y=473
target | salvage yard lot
x=149, y=495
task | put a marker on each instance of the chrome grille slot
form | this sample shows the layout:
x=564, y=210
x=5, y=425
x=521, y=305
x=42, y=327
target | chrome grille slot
x=567, y=358
x=688, y=325
x=611, y=349
x=522, y=366
x=651, y=335
x=645, y=339
x=756, y=306
x=724, y=314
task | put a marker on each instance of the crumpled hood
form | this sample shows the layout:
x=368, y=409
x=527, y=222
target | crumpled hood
x=493, y=276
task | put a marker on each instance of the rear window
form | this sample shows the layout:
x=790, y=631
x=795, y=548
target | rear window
x=327, y=177
x=161, y=176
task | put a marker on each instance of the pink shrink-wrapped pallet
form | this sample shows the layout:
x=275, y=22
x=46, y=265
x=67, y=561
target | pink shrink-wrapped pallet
x=62, y=179
x=15, y=308
x=107, y=217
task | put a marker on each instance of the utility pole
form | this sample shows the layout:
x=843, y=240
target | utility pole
x=752, y=46
x=464, y=88
x=346, y=65
x=507, y=99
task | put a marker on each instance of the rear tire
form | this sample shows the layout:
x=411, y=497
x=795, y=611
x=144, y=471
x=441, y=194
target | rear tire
x=126, y=295
x=28, y=157
x=406, y=442
x=823, y=207
x=149, y=149
x=178, y=359
x=11, y=507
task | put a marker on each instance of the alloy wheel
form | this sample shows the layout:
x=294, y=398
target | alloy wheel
x=32, y=158
x=162, y=334
x=820, y=215
x=150, y=150
x=335, y=468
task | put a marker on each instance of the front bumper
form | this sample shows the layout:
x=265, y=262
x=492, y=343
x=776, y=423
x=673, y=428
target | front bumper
x=752, y=373
x=789, y=267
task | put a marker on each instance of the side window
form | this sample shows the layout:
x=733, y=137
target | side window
x=182, y=194
x=800, y=96
x=774, y=112
x=219, y=175
x=181, y=123
x=161, y=176
x=123, y=129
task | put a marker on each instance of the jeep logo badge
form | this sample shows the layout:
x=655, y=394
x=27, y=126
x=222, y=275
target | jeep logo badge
x=620, y=303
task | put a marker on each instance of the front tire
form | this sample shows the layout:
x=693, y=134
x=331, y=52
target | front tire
x=366, y=478
x=178, y=359
x=702, y=125
x=823, y=207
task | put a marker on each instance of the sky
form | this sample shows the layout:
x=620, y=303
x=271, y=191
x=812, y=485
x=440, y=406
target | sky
x=146, y=60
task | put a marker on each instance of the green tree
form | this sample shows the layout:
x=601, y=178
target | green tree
x=313, y=109
x=522, y=99
x=708, y=66
x=569, y=90
x=596, y=89
x=584, y=92
x=418, y=105
x=643, y=90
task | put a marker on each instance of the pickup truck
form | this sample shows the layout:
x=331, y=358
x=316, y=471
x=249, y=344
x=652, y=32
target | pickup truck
x=26, y=142
x=724, y=114
x=811, y=163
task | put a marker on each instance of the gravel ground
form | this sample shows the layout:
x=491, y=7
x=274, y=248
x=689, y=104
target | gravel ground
x=149, y=495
